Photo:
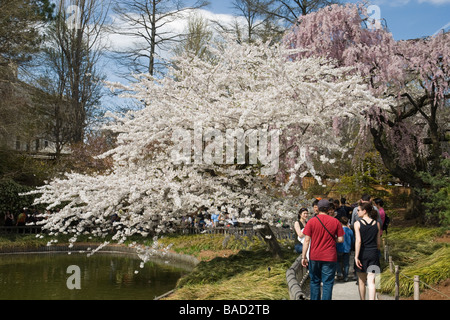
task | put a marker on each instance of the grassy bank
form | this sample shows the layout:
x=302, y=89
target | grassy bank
x=232, y=269
x=417, y=251
x=21, y=241
x=247, y=275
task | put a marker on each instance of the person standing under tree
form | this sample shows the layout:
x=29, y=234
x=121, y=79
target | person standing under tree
x=322, y=232
x=315, y=207
x=9, y=219
x=379, y=203
x=21, y=220
x=299, y=225
x=367, y=246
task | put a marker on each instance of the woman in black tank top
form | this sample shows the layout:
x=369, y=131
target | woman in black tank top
x=367, y=245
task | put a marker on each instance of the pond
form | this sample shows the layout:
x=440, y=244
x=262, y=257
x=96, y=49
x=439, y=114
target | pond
x=102, y=276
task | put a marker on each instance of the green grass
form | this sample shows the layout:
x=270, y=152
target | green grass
x=20, y=241
x=195, y=244
x=414, y=233
x=242, y=276
x=416, y=252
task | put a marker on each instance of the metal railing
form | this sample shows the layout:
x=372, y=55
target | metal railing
x=31, y=229
x=280, y=233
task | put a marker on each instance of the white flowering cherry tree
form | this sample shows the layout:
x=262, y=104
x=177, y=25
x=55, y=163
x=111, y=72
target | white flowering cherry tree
x=171, y=159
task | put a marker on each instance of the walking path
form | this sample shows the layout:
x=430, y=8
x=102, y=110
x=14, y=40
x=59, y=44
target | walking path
x=349, y=290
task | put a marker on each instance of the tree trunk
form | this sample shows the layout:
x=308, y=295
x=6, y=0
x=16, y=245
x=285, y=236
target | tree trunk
x=415, y=208
x=151, y=67
x=269, y=238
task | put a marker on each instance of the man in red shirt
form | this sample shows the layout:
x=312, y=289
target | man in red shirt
x=322, y=232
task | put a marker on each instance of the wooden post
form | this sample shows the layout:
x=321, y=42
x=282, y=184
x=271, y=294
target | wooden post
x=391, y=265
x=416, y=288
x=397, y=284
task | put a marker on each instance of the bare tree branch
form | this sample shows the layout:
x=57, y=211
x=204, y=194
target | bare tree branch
x=146, y=21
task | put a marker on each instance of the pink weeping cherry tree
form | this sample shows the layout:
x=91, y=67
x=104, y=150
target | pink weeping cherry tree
x=412, y=134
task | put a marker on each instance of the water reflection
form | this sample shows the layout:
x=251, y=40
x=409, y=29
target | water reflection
x=103, y=276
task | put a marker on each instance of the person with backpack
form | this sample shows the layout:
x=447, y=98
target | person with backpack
x=321, y=234
x=379, y=203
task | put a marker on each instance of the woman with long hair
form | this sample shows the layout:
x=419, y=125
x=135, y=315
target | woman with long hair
x=299, y=225
x=367, y=246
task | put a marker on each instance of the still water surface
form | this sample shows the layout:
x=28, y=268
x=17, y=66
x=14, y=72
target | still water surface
x=102, y=276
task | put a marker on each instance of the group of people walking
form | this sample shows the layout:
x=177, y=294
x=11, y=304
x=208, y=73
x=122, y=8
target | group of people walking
x=325, y=242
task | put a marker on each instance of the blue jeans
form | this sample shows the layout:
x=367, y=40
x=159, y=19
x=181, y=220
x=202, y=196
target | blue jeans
x=343, y=264
x=321, y=272
x=299, y=247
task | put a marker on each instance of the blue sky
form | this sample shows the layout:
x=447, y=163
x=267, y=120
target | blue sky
x=406, y=19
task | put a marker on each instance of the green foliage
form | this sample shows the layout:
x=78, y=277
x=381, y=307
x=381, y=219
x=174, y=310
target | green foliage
x=437, y=196
x=23, y=169
x=45, y=9
x=19, y=34
x=316, y=189
x=369, y=172
x=10, y=199
x=400, y=200
x=360, y=183
x=19, y=174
